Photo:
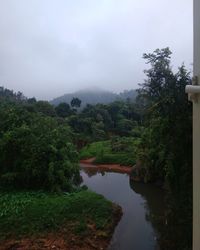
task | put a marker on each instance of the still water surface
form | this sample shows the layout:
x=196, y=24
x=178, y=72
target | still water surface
x=137, y=230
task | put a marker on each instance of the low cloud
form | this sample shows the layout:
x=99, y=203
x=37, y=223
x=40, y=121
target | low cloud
x=51, y=47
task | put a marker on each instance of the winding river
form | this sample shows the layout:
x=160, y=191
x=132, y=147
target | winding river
x=141, y=204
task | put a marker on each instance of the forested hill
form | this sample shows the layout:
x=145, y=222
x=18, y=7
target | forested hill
x=41, y=144
x=94, y=96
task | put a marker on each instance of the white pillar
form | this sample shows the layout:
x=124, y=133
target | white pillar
x=196, y=132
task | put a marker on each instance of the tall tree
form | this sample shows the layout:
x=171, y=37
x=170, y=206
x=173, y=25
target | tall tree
x=75, y=102
x=166, y=145
x=63, y=110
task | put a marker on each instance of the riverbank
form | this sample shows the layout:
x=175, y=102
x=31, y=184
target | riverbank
x=120, y=150
x=88, y=163
x=142, y=206
x=35, y=220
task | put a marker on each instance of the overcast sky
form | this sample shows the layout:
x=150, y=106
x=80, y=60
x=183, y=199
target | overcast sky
x=52, y=47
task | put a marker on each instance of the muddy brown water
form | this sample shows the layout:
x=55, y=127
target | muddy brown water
x=141, y=203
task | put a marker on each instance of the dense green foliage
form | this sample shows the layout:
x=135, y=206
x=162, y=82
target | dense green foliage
x=160, y=126
x=166, y=143
x=38, y=140
x=37, y=153
x=30, y=213
x=36, y=150
x=63, y=110
x=101, y=122
x=119, y=150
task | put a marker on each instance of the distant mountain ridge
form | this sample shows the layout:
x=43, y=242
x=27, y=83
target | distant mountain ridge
x=94, y=96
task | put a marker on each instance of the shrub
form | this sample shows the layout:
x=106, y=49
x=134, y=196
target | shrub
x=35, y=151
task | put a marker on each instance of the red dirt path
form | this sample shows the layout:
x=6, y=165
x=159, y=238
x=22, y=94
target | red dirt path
x=66, y=239
x=88, y=163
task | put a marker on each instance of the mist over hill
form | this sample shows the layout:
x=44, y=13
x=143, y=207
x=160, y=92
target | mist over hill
x=94, y=96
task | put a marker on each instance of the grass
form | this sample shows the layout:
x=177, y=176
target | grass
x=94, y=149
x=32, y=213
x=117, y=158
x=109, y=152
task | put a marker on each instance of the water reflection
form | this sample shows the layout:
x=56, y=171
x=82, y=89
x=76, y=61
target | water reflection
x=154, y=204
x=90, y=171
x=142, y=206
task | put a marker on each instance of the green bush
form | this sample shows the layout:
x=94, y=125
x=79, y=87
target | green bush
x=35, y=151
x=95, y=148
x=122, y=144
x=27, y=213
x=122, y=159
x=117, y=151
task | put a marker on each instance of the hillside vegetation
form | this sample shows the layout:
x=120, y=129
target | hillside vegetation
x=40, y=193
x=95, y=96
x=40, y=212
x=118, y=150
x=40, y=144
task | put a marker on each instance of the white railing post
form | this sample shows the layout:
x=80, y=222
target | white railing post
x=194, y=96
x=196, y=132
